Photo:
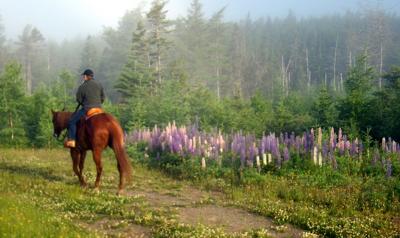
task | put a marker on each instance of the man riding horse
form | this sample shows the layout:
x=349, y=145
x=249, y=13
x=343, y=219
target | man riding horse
x=97, y=131
x=89, y=95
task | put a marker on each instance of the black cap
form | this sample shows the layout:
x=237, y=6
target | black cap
x=88, y=72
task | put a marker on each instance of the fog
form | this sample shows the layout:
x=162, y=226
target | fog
x=59, y=20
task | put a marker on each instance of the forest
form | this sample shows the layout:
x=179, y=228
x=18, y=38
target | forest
x=255, y=75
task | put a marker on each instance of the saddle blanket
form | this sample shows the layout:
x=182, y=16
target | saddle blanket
x=93, y=112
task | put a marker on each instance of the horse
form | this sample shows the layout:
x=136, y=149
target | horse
x=95, y=134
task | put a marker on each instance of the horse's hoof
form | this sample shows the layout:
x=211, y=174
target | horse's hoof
x=96, y=190
x=120, y=192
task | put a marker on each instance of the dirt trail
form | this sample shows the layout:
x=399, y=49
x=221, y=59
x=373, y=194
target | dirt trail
x=193, y=206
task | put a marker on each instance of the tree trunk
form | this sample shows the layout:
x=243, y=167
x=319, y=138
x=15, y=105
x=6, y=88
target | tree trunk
x=381, y=68
x=334, y=64
x=10, y=121
x=29, y=77
x=308, y=71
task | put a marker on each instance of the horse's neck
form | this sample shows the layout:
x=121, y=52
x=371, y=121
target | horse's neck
x=65, y=119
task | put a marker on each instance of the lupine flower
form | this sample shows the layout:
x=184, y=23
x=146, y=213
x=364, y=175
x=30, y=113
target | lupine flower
x=383, y=144
x=292, y=139
x=376, y=157
x=388, y=168
x=389, y=145
x=312, y=137
x=320, y=138
x=188, y=141
x=332, y=138
x=286, y=154
x=242, y=155
x=325, y=150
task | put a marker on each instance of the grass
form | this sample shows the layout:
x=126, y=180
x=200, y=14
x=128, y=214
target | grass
x=332, y=203
x=40, y=197
x=19, y=218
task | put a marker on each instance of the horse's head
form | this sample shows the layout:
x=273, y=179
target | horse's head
x=60, y=122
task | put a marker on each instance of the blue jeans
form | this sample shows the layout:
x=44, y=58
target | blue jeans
x=72, y=123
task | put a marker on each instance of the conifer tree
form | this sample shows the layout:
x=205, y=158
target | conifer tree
x=30, y=42
x=135, y=77
x=158, y=43
x=359, y=91
x=89, y=54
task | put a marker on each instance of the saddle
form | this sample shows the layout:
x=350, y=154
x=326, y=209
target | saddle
x=93, y=112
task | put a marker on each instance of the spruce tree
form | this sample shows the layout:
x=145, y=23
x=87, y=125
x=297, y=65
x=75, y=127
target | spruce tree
x=158, y=43
x=355, y=106
x=135, y=78
x=89, y=55
x=324, y=109
x=30, y=42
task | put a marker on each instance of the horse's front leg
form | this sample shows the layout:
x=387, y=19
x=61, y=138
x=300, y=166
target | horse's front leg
x=99, y=166
x=76, y=158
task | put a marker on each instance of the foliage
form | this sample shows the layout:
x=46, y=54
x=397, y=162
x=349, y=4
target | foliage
x=324, y=110
x=12, y=99
x=333, y=203
x=355, y=106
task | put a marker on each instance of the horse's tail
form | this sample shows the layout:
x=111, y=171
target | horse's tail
x=119, y=150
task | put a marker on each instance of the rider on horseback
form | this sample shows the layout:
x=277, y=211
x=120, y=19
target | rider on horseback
x=89, y=95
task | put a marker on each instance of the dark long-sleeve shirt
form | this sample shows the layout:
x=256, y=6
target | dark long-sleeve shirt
x=90, y=94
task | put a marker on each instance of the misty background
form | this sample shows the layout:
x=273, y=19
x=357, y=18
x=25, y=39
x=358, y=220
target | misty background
x=60, y=20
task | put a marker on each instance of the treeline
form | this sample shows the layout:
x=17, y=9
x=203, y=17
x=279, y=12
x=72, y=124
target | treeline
x=284, y=74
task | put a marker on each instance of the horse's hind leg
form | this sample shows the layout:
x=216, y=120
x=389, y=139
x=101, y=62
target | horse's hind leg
x=81, y=166
x=99, y=166
x=76, y=157
x=121, y=180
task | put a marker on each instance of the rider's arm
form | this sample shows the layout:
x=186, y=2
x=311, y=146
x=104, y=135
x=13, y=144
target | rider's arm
x=79, y=95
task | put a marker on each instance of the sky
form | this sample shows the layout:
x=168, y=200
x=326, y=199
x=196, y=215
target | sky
x=66, y=19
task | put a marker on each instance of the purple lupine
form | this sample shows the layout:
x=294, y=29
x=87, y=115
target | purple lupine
x=333, y=159
x=298, y=144
x=325, y=149
x=360, y=149
x=188, y=141
x=332, y=139
x=286, y=154
x=375, y=158
x=388, y=168
x=347, y=146
x=312, y=138
x=242, y=155
x=389, y=145
x=251, y=155
x=305, y=142
x=383, y=144
x=353, y=148
x=262, y=145
x=292, y=140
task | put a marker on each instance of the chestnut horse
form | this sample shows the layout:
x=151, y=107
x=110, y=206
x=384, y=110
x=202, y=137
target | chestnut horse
x=95, y=134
